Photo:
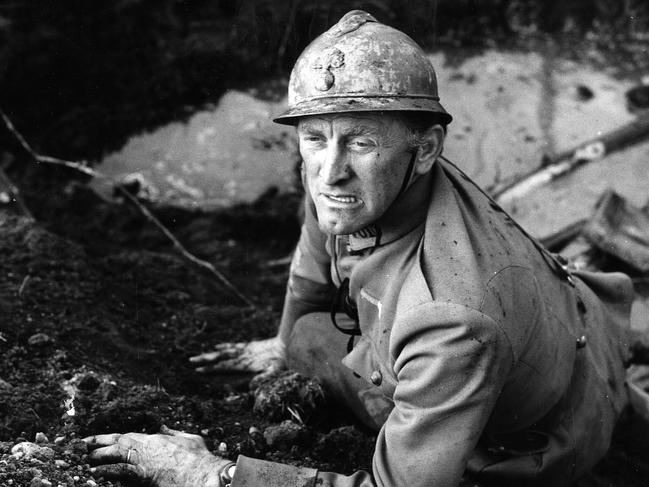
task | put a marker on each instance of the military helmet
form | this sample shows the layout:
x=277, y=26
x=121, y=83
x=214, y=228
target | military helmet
x=361, y=65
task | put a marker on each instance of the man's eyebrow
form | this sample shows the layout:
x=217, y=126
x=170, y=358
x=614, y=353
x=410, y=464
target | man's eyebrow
x=362, y=130
x=309, y=127
x=356, y=130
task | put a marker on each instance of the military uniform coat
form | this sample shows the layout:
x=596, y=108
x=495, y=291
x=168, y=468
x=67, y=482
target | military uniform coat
x=498, y=361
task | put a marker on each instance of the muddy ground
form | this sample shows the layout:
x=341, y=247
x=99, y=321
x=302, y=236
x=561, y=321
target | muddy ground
x=99, y=317
x=97, y=327
x=99, y=314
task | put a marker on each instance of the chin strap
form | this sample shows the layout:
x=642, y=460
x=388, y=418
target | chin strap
x=370, y=236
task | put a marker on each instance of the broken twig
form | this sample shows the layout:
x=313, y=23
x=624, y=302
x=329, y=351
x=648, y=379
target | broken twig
x=24, y=285
x=84, y=168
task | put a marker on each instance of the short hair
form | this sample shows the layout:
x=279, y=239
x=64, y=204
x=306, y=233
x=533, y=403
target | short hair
x=418, y=123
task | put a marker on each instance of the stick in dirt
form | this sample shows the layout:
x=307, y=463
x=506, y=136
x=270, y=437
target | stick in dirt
x=84, y=168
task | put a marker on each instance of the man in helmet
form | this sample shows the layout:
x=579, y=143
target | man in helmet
x=469, y=348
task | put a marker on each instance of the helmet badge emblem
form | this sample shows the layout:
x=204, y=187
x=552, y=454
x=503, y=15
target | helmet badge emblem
x=328, y=61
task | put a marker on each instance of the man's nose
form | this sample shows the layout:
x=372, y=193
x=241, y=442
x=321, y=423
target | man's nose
x=335, y=166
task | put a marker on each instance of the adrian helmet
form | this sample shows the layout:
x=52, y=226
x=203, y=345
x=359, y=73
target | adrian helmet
x=361, y=65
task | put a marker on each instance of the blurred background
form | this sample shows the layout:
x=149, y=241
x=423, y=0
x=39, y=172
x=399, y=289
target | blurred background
x=78, y=78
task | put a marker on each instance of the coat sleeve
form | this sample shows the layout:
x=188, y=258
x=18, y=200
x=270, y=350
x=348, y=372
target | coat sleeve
x=309, y=287
x=450, y=363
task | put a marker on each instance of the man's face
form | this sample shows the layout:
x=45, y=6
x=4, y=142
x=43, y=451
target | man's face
x=355, y=166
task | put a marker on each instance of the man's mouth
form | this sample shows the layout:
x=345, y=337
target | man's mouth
x=343, y=199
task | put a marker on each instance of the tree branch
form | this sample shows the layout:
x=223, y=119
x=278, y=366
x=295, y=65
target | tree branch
x=84, y=168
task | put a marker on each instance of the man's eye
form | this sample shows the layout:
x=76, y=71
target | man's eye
x=360, y=144
x=312, y=138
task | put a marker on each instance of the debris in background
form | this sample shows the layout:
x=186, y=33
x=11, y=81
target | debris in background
x=563, y=236
x=580, y=253
x=565, y=162
x=620, y=229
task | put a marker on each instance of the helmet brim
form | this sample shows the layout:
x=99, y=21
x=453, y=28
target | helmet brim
x=363, y=103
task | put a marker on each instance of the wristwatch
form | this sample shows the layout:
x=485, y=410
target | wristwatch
x=227, y=473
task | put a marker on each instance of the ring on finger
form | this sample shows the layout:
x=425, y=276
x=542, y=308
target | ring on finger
x=128, y=455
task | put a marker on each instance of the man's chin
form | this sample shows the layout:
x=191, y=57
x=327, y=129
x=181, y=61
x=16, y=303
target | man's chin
x=341, y=222
x=339, y=228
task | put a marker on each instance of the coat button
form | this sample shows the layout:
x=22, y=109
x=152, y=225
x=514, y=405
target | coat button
x=581, y=341
x=376, y=378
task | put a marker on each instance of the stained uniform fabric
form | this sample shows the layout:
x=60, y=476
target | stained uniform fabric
x=479, y=352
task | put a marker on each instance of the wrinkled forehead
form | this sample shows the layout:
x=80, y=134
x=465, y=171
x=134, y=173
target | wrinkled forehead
x=371, y=123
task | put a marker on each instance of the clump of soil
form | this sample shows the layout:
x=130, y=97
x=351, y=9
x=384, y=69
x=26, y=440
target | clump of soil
x=286, y=395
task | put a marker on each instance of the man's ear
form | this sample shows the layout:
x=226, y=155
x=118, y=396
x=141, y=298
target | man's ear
x=429, y=151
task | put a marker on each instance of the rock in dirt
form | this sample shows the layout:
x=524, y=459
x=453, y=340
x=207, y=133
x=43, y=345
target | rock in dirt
x=39, y=340
x=41, y=438
x=286, y=434
x=27, y=449
x=39, y=482
x=223, y=448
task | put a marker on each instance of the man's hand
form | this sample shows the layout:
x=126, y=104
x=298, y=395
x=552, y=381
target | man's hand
x=265, y=356
x=169, y=459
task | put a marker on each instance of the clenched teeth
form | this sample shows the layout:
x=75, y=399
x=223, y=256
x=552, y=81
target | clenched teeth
x=342, y=199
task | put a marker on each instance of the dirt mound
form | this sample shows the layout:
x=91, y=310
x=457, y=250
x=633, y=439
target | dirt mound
x=95, y=337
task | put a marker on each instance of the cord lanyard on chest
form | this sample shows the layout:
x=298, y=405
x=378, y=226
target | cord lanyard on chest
x=342, y=302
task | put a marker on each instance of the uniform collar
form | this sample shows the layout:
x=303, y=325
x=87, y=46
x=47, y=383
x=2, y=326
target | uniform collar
x=405, y=214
